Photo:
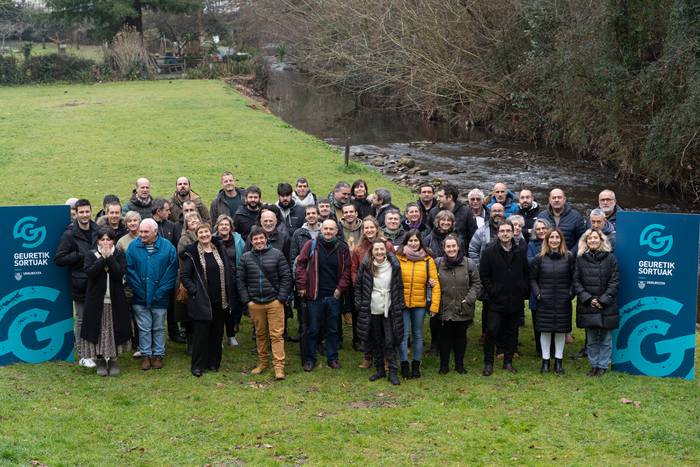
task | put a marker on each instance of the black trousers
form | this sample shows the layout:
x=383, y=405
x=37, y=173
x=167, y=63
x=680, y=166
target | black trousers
x=453, y=338
x=500, y=328
x=206, y=340
x=173, y=329
x=383, y=345
x=435, y=328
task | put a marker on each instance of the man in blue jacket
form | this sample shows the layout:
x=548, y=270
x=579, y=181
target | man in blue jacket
x=562, y=215
x=151, y=272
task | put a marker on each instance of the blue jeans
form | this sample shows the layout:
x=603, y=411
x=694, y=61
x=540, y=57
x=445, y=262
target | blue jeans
x=324, y=310
x=413, y=318
x=151, y=324
x=599, y=347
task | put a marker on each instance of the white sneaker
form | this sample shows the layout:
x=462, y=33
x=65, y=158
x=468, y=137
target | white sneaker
x=87, y=363
x=137, y=354
x=232, y=342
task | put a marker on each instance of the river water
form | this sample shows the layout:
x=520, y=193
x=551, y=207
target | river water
x=467, y=159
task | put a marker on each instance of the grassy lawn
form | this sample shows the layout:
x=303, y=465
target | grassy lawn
x=61, y=141
x=92, y=52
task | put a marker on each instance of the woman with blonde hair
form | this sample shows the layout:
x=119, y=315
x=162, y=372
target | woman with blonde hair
x=596, y=280
x=551, y=282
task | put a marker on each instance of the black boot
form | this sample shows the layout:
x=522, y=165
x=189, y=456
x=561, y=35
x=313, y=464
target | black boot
x=394, y=378
x=381, y=373
x=545, y=366
x=405, y=370
x=558, y=368
x=415, y=369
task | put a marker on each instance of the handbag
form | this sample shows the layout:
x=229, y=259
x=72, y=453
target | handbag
x=181, y=296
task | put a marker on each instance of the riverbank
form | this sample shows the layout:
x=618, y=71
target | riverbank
x=60, y=141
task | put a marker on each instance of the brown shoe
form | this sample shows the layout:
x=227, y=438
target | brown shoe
x=145, y=363
x=157, y=363
x=365, y=364
x=279, y=374
x=259, y=369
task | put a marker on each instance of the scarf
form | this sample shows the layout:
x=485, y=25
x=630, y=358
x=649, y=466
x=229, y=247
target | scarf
x=451, y=263
x=329, y=244
x=412, y=254
x=222, y=273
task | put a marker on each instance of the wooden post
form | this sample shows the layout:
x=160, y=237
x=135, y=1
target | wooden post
x=347, y=151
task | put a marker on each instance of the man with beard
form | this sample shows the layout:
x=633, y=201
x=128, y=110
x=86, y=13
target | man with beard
x=608, y=203
x=292, y=214
x=563, y=216
x=302, y=193
x=184, y=192
x=161, y=214
x=382, y=204
x=339, y=198
x=140, y=200
x=392, y=226
x=75, y=243
x=504, y=277
x=248, y=214
x=351, y=225
x=426, y=203
x=529, y=209
x=465, y=224
x=306, y=232
x=229, y=198
x=113, y=218
x=487, y=233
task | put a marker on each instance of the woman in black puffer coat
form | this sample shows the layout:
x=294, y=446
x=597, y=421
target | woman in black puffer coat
x=596, y=280
x=379, y=301
x=551, y=282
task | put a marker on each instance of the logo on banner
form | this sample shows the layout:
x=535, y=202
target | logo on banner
x=646, y=344
x=26, y=229
x=658, y=243
x=48, y=341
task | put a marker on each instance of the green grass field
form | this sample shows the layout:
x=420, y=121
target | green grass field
x=92, y=52
x=62, y=141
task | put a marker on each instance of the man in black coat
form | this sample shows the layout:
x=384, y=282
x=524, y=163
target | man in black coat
x=465, y=223
x=504, y=277
x=248, y=214
x=74, y=246
x=292, y=213
x=563, y=216
x=264, y=284
x=529, y=209
x=229, y=198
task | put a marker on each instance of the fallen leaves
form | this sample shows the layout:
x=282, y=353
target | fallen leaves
x=636, y=404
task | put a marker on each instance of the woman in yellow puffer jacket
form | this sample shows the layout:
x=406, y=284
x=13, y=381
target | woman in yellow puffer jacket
x=419, y=274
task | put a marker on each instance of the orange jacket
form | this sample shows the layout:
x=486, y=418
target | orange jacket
x=415, y=280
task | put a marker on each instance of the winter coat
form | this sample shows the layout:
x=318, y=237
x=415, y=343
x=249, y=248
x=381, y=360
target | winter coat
x=422, y=227
x=504, y=278
x=612, y=218
x=363, y=299
x=151, y=276
x=244, y=220
x=359, y=253
x=364, y=207
x=571, y=223
x=481, y=240
x=195, y=281
x=596, y=276
x=307, y=268
x=234, y=248
x=299, y=239
x=395, y=237
x=166, y=229
x=72, y=249
x=552, y=280
x=465, y=223
x=294, y=216
x=609, y=231
x=434, y=242
x=460, y=288
x=219, y=206
x=277, y=239
x=145, y=208
x=533, y=250
x=176, y=207
x=380, y=213
x=96, y=268
x=426, y=213
x=510, y=205
x=415, y=281
x=530, y=215
x=264, y=276
x=121, y=229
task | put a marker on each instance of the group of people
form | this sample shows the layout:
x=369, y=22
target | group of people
x=351, y=257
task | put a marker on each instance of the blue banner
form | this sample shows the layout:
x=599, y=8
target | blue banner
x=36, y=309
x=658, y=258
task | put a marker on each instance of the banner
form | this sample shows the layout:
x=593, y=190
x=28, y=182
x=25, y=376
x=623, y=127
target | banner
x=36, y=309
x=658, y=258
